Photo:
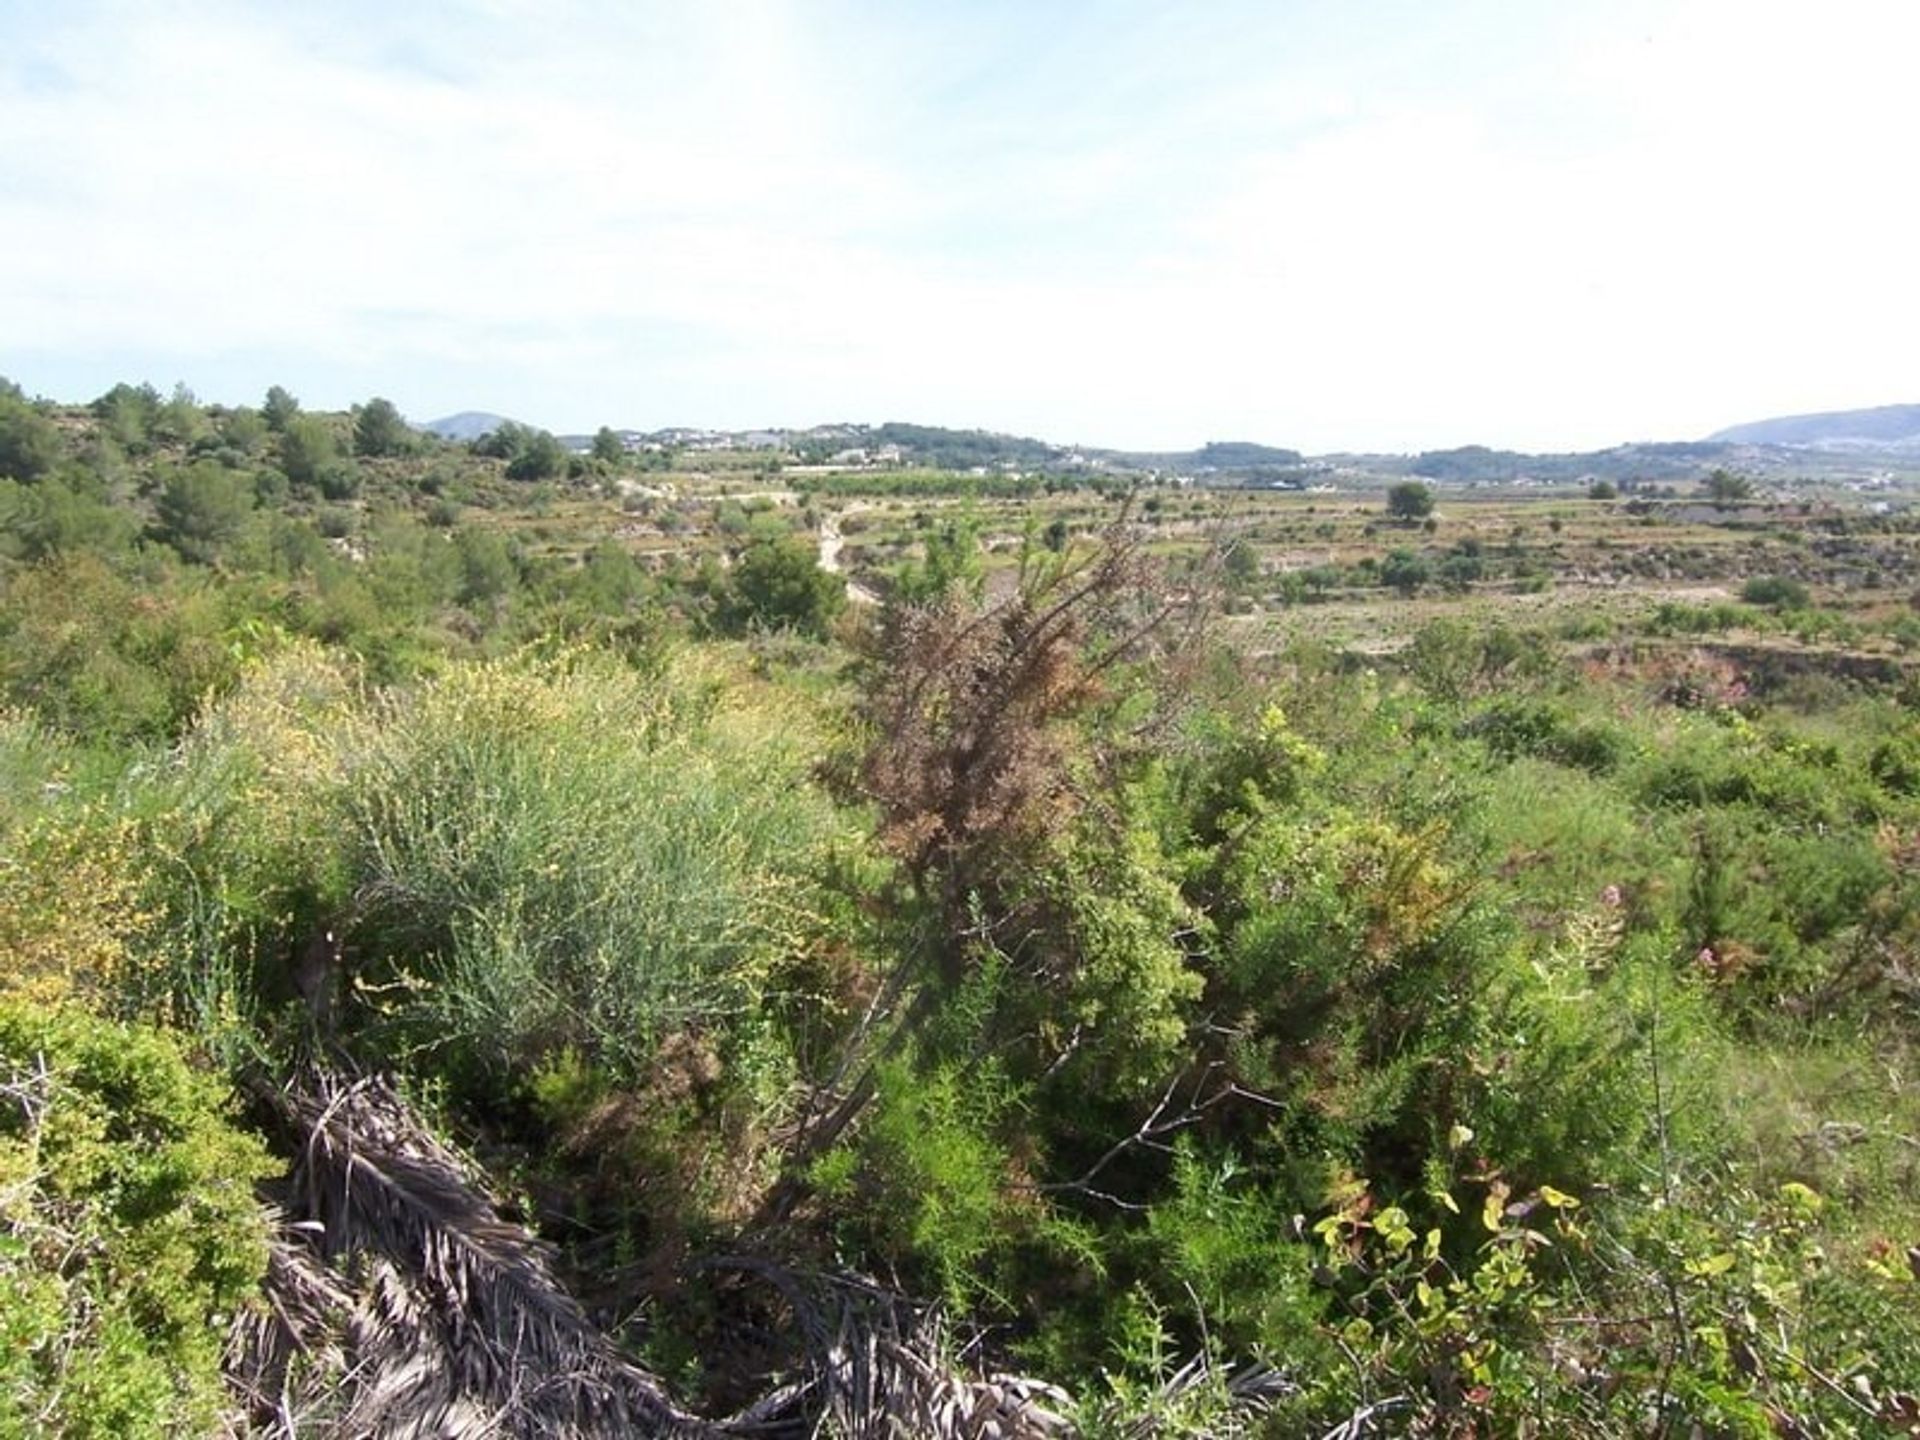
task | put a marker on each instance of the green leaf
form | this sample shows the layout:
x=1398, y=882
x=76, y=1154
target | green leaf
x=1802, y=1197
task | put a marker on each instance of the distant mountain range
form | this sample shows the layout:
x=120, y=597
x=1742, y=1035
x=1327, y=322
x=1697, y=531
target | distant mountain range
x=898, y=443
x=1885, y=427
x=1836, y=443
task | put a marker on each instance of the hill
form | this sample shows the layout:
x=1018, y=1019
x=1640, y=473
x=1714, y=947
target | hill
x=1895, y=427
x=467, y=425
x=1478, y=464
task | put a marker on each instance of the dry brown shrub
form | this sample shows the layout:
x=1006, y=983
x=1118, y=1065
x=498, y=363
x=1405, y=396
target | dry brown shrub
x=974, y=761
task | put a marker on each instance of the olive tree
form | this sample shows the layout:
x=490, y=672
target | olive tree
x=1409, y=501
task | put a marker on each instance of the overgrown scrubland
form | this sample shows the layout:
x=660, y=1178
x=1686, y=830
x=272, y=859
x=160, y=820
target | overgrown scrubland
x=543, y=997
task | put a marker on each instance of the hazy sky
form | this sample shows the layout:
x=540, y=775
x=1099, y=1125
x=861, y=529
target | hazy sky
x=1322, y=223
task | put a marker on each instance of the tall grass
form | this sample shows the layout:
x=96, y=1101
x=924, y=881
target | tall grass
x=513, y=857
x=239, y=851
x=571, y=854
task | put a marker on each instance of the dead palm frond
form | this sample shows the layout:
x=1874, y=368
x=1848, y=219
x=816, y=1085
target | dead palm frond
x=428, y=1314
x=878, y=1366
x=400, y=1304
x=285, y=1357
x=1230, y=1401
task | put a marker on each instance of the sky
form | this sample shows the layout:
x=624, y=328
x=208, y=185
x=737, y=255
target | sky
x=1328, y=224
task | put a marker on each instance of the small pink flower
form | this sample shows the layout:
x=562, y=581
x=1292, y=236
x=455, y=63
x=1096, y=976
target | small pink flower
x=1611, y=897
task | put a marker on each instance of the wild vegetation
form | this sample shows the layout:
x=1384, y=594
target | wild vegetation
x=502, y=940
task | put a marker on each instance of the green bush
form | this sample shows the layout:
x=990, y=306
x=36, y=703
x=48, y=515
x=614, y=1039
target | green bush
x=201, y=510
x=1111, y=971
x=111, y=656
x=71, y=920
x=1556, y=838
x=1512, y=728
x=930, y=1176
x=1778, y=592
x=1452, y=658
x=45, y=519
x=1673, y=617
x=1405, y=570
x=308, y=450
x=1557, y=1084
x=129, y=1231
x=1349, y=970
x=29, y=443
x=519, y=858
x=1219, y=1241
x=1529, y=1315
x=1895, y=764
x=573, y=854
x=244, y=845
x=779, y=583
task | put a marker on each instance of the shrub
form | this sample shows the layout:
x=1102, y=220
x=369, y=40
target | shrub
x=1672, y=617
x=1458, y=572
x=488, y=574
x=70, y=908
x=1405, y=571
x=45, y=519
x=1516, y=727
x=244, y=848
x=308, y=450
x=1895, y=764
x=1452, y=658
x=1409, y=500
x=1556, y=1080
x=202, y=510
x=1512, y=728
x=1350, y=966
x=534, y=454
x=1776, y=591
x=1112, y=989
x=29, y=444
x=1539, y=1321
x=1245, y=768
x=128, y=1228
x=1218, y=1241
x=97, y=655
x=779, y=583
x=379, y=429
x=930, y=1174
x=570, y=853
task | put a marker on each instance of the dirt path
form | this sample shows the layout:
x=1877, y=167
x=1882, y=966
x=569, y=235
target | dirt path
x=831, y=544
